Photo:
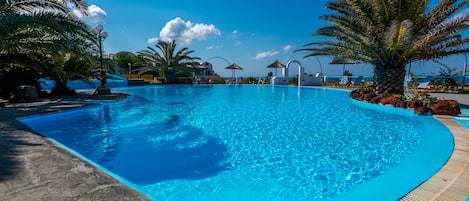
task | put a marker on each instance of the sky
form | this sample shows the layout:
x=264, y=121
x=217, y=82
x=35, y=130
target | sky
x=250, y=33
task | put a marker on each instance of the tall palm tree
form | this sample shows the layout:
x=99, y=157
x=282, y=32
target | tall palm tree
x=391, y=34
x=166, y=60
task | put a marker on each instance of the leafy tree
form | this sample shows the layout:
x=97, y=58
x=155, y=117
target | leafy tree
x=165, y=60
x=124, y=58
x=446, y=79
x=391, y=34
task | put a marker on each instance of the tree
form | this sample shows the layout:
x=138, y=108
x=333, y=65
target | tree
x=124, y=58
x=68, y=66
x=165, y=60
x=391, y=34
x=32, y=32
x=33, y=24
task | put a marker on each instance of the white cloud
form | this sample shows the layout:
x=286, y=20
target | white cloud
x=211, y=47
x=152, y=40
x=287, y=48
x=459, y=16
x=95, y=14
x=185, y=32
x=234, y=33
x=263, y=55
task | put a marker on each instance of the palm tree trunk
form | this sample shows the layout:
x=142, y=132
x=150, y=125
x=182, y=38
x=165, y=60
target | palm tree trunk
x=389, y=80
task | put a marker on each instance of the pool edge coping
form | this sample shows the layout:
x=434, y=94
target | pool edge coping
x=385, y=186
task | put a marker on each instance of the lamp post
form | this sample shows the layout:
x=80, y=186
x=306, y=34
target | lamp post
x=464, y=73
x=98, y=31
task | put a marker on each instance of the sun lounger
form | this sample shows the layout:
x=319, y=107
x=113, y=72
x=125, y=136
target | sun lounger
x=345, y=80
x=358, y=80
x=425, y=82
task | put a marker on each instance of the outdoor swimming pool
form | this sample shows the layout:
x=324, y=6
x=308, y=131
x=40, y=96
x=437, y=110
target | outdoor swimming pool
x=463, y=119
x=252, y=143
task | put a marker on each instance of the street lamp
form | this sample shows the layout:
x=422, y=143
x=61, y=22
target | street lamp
x=98, y=31
x=464, y=72
x=130, y=68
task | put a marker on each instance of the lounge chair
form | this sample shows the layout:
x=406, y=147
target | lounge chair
x=261, y=81
x=202, y=80
x=425, y=82
x=358, y=80
x=345, y=80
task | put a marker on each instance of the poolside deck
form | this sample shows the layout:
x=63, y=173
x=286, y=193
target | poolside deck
x=452, y=181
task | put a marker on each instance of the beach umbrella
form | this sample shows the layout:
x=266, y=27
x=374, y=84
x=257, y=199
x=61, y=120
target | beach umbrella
x=234, y=67
x=276, y=65
x=344, y=61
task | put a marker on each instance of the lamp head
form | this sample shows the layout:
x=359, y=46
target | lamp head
x=103, y=35
x=99, y=28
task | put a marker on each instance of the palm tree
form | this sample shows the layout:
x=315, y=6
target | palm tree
x=68, y=66
x=166, y=61
x=391, y=34
x=31, y=26
x=33, y=32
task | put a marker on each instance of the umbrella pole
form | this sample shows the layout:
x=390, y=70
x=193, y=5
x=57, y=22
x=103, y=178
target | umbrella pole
x=343, y=71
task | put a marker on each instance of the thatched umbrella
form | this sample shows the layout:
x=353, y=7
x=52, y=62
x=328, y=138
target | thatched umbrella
x=343, y=60
x=234, y=67
x=276, y=65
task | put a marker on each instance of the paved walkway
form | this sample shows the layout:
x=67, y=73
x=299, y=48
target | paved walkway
x=462, y=99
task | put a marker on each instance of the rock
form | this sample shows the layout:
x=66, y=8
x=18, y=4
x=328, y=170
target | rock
x=422, y=110
x=415, y=104
x=375, y=100
x=355, y=94
x=394, y=101
x=446, y=107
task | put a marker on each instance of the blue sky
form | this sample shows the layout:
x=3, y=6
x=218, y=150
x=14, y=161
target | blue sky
x=251, y=33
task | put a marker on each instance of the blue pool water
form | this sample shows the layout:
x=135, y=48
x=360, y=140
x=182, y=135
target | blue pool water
x=463, y=119
x=238, y=142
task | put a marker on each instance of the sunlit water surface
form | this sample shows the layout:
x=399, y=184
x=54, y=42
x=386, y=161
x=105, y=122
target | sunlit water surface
x=236, y=142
